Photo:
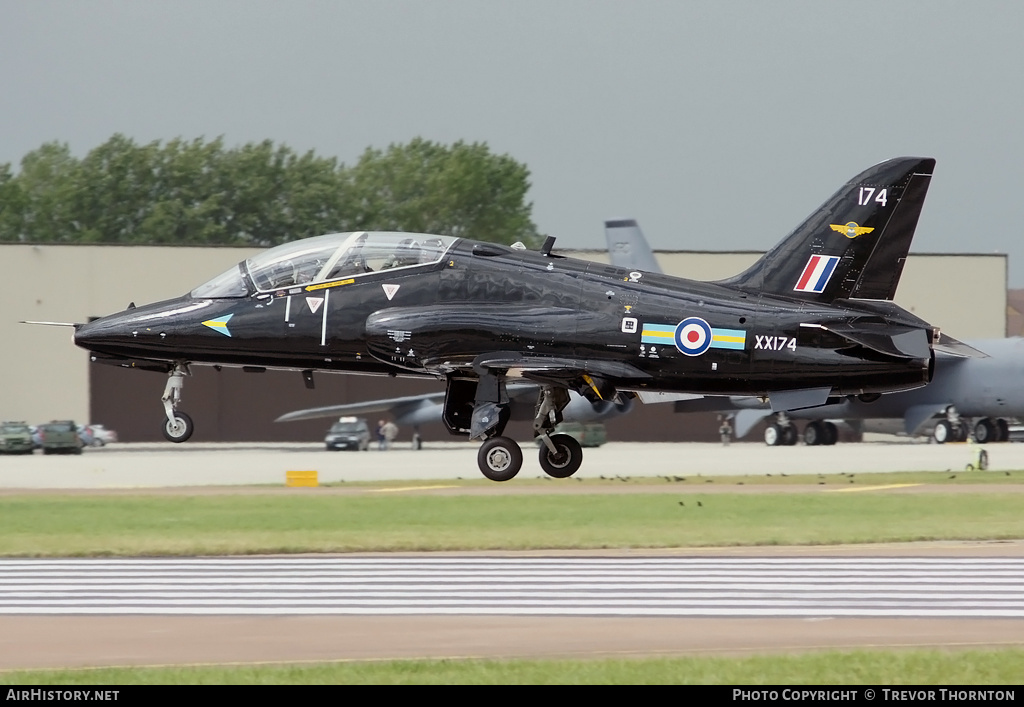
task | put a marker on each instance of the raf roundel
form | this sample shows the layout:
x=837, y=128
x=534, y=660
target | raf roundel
x=693, y=336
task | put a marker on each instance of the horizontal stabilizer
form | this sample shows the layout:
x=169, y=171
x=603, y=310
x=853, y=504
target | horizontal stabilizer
x=896, y=342
x=783, y=400
x=952, y=347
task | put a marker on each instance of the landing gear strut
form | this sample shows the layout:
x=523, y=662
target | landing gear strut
x=952, y=429
x=178, y=426
x=500, y=458
x=560, y=455
x=781, y=432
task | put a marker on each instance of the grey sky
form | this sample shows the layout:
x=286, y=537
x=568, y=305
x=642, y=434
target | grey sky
x=718, y=125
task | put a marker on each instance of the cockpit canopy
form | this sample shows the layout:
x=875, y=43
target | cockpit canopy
x=324, y=258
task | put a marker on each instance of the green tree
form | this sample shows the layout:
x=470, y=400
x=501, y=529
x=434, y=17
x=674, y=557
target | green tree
x=199, y=192
x=462, y=190
x=38, y=201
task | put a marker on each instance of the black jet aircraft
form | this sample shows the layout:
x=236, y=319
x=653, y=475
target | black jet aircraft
x=811, y=320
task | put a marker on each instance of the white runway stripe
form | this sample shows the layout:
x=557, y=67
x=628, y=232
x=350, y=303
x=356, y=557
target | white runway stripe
x=796, y=587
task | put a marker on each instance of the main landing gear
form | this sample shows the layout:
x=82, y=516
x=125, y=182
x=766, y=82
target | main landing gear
x=500, y=458
x=178, y=426
x=955, y=428
x=783, y=432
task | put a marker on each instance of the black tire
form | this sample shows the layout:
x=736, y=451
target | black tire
x=984, y=431
x=943, y=432
x=500, y=458
x=814, y=434
x=789, y=435
x=566, y=461
x=773, y=435
x=963, y=431
x=1003, y=430
x=181, y=430
x=831, y=434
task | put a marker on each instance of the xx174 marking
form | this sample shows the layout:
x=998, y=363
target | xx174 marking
x=774, y=343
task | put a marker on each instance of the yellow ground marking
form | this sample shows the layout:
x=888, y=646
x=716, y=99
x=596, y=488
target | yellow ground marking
x=414, y=488
x=871, y=488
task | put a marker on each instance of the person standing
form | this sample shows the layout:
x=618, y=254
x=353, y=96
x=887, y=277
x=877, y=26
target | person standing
x=390, y=430
x=381, y=439
x=725, y=431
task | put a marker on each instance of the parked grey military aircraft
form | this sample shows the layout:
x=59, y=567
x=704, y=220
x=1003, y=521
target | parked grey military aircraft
x=811, y=320
x=415, y=410
x=987, y=388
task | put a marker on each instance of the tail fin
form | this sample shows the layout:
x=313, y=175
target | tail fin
x=855, y=244
x=627, y=247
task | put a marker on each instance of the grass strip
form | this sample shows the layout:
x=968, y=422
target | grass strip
x=133, y=525
x=860, y=667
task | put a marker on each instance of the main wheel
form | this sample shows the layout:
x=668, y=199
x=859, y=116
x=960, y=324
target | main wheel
x=831, y=434
x=500, y=458
x=943, y=432
x=789, y=435
x=180, y=430
x=984, y=431
x=565, y=461
x=1003, y=430
x=773, y=435
x=814, y=434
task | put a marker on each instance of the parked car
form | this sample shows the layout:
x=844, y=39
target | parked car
x=15, y=438
x=348, y=433
x=100, y=435
x=60, y=437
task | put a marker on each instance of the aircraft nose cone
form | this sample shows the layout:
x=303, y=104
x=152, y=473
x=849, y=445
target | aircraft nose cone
x=85, y=335
x=100, y=334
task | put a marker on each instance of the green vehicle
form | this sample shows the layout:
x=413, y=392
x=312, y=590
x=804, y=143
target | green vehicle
x=591, y=434
x=60, y=437
x=15, y=438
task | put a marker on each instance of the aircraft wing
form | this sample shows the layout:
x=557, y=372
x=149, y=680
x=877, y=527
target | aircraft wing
x=363, y=408
x=398, y=407
x=547, y=368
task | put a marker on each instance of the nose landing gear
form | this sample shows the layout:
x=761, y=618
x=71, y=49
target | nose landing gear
x=178, y=426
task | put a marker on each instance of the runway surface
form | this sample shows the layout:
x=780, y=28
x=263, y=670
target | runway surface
x=486, y=586
x=56, y=613
x=201, y=464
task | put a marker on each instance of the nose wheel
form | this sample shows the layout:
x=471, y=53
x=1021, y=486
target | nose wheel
x=179, y=429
